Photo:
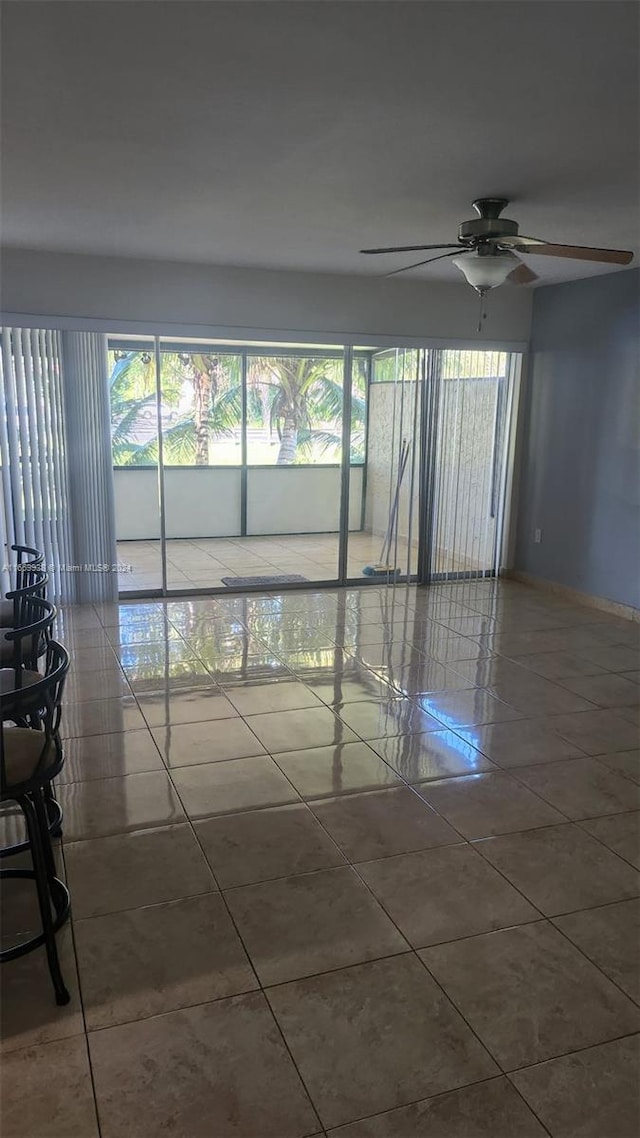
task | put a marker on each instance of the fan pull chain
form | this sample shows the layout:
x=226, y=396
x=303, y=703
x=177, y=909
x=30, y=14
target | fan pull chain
x=482, y=315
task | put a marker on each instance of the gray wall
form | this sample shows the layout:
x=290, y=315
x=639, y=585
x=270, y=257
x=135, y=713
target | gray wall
x=57, y=289
x=580, y=479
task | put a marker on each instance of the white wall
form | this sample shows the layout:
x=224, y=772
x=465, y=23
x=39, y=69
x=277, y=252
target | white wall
x=202, y=502
x=299, y=499
x=58, y=287
x=136, y=502
x=205, y=502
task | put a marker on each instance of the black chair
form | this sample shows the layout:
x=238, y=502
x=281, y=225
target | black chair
x=21, y=692
x=28, y=558
x=22, y=646
x=30, y=562
x=29, y=759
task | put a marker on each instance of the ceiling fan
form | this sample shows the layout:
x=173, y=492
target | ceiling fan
x=486, y=249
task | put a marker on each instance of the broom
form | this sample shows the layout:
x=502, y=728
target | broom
x=383, y=567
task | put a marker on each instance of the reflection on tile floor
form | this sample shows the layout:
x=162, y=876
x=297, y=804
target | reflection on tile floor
x=352, y=862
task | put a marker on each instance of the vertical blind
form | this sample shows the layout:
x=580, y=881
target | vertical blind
x=54, y=491
x=473, y=396
x=89, y=465
x=33, y=454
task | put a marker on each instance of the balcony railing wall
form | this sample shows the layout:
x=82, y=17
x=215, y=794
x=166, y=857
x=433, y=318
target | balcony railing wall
x=205, y=502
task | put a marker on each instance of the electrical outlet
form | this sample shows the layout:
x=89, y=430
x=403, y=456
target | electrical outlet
x=537, y=536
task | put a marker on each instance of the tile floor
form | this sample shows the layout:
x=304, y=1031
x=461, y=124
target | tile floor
x=201, y=563
x=355, y=863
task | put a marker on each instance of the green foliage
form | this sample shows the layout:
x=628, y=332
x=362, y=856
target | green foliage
x=296, y=399
x=133, y=405
x=305, y=400
x=473, y=364
x=396, y=365
x=133, y=397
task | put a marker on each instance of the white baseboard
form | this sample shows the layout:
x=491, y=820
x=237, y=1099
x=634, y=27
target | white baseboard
x=614, y=608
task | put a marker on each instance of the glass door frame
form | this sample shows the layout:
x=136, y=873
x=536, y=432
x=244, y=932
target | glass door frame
x=244, y=350
x=424, y=453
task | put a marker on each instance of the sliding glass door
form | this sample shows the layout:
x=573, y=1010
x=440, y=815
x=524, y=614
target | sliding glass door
x=251, y=466
x=229, y=463
x=473, y=397
x=202, y=457
x=133, y=392
x=294, y=454
x=384, y=546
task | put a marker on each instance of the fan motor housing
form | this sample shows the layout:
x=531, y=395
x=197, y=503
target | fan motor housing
x=487, y=228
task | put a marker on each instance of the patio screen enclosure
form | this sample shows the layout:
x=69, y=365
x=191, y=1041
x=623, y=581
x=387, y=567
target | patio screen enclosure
x=234, y=462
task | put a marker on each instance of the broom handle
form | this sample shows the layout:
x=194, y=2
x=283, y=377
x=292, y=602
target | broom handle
x=404, y=451
x=387, y=537
x=404, y=455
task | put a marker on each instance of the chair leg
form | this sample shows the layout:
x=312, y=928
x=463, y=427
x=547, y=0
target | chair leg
x=44, y=897
x=52, y=811
x=40, y=806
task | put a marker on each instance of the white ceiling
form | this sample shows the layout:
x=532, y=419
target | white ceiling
x=290, y=135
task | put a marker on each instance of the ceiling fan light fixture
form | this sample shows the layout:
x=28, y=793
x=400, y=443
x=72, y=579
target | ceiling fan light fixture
x=486, y=270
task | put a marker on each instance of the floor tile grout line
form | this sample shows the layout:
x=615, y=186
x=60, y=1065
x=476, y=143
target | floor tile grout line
x=259, y=988
x=379, y=902
x=431, y=1098
x=347, y=863
x=459, y=1011
x=417, y=948
x=550, y=920
x=255, y=973
x=419, y=648
x=526, y=1066
x=596, y=838
x=528, y=1105
x=469, y=843
x=511, y=769
x=81, y=998
x=594, y=963
x=515, y=833
x=410, y=785
x=575, y=1051
x=94, y=1095
x=255, y=990
x=79, y=919
x=411, y=950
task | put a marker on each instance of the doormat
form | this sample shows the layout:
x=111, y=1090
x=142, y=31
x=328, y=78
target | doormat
x=242, y=582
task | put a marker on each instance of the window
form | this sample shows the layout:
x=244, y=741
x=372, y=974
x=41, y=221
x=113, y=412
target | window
x=359, y=394
x=294, y=410
x=132, y=391
x=201, y=408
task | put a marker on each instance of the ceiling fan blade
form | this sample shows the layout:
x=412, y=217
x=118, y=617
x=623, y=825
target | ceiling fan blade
x=518, y=239
x=522, y=275
x=428, y=261
x=412, y=248
x=576, y=252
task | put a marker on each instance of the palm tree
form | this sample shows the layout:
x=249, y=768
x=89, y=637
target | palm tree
x=300, y=398
x=132, y=397
x=203, y=370
x=216, y=409
x=302, y=391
